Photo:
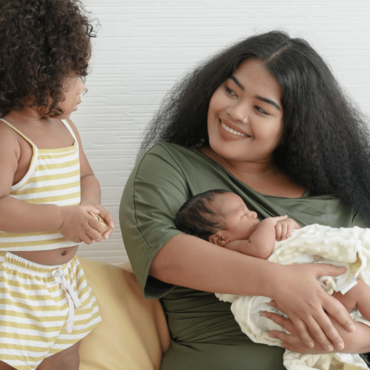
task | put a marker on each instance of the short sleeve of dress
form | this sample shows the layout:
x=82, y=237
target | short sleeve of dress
x=153, y=194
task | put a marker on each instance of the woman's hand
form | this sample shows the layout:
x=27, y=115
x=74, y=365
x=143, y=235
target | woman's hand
x=298, y=294
x=354, y=342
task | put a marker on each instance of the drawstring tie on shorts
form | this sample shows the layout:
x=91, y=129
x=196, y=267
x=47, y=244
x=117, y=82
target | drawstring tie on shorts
x=73, y=300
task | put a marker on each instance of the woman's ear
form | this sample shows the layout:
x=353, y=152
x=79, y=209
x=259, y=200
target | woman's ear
x=217, y=239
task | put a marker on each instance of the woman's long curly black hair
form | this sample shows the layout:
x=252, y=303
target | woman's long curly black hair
x=326, y=141
x=42, y=43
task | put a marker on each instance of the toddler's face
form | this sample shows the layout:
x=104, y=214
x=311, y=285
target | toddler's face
x=239, y=221
x=73, y=87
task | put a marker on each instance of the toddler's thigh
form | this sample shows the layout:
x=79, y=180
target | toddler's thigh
x=4, y=366
x=68, y=359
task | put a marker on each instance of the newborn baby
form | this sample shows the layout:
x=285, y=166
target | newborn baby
x=222, y=218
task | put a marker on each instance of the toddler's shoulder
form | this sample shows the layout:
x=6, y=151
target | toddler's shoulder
x=9, y=138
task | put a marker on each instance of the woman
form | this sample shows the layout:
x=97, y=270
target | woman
x=264, y=119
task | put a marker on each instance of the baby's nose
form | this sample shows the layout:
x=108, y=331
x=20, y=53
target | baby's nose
x=253, y=214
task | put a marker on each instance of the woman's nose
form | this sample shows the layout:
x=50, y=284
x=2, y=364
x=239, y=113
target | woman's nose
x=238, y=113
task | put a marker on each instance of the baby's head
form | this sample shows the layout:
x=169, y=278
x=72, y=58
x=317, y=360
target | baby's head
x=217, y=216
x=44, y=48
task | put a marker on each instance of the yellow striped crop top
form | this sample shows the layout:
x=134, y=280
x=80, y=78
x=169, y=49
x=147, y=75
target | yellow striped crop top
x=52, y=178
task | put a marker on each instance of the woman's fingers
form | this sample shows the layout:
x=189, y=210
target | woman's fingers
x=319, y=328
x=290, y=338
x=331, y=305
x=316, y=329
x=298, y=327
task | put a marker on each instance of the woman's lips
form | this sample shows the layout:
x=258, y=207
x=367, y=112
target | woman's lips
x=229, y=133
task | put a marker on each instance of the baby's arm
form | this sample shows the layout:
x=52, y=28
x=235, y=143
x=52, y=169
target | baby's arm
x=284, y=228
x=261, y=243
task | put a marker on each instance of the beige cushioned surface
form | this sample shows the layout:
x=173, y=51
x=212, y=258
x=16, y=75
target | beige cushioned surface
x=133, y=334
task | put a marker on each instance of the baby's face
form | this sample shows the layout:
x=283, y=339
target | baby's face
x=239, y=221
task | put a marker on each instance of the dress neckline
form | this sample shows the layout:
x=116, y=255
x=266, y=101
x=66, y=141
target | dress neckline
x=196, y=150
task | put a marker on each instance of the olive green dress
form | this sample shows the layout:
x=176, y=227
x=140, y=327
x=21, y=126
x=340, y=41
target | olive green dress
x=204, y=334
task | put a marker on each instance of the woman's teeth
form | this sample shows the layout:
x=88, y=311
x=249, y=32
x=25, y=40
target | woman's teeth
x=227, y=128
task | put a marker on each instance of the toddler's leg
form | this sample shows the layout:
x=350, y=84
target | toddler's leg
x=357, y=297
x=4, y=366
x=69, y=359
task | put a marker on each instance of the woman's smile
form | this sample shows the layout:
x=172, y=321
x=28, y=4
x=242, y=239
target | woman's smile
x=245, y=115
x=227, y=126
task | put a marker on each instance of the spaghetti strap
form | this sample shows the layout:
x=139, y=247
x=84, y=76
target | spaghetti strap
x=20, y=133
x=66, y=124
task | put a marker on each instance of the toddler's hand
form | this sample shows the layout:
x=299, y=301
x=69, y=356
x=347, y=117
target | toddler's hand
x=284, y=228
x=79, y=226
x=108, y=223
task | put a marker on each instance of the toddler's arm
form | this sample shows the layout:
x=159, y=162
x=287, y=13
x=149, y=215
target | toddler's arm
x=261, y=243
x=90, y=194
x=15, y=215
x=21, y=217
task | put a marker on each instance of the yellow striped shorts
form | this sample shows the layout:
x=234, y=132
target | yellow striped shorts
x=43, y=309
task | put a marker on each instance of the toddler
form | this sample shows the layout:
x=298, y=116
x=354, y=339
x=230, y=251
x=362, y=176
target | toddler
x=222, y=218
x=48, y=192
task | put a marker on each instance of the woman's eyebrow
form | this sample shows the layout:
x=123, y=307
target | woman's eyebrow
x=232, y=77
x=268, y=101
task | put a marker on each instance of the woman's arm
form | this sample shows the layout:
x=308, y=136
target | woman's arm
x=357, y=341
x=182, y=262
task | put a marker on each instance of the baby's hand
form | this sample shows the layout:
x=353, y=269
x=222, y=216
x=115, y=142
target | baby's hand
x=284, y=228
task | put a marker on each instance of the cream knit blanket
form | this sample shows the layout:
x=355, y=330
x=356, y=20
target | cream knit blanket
x=349, y=247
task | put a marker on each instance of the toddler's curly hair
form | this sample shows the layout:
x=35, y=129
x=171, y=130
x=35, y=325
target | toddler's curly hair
x=42, y=43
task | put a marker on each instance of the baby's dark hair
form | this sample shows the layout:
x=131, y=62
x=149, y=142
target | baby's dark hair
x=42, y=43
x=198, y=216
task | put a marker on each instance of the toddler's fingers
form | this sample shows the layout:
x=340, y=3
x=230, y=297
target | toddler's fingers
x=94, y=235
x=89, y=208
x=107, y=233
x=107, y=217
x=98, y=223
x=86, y=239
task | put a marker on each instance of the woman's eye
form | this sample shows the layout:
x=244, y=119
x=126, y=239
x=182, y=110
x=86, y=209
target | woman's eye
x=259, y=109
x=229, y=91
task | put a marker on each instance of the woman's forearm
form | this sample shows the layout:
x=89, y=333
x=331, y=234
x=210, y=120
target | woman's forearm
x=194, y=263
x=189, y=261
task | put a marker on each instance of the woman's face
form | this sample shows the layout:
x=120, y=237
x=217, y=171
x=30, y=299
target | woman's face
x=245, y=115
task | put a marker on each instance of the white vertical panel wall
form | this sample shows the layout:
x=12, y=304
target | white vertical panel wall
x=144, y=46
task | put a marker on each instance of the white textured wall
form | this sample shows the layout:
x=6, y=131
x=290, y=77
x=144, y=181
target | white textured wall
x=143, y=46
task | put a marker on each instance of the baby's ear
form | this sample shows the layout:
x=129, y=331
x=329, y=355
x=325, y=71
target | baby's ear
x=217, y=239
